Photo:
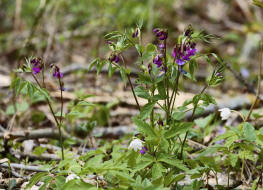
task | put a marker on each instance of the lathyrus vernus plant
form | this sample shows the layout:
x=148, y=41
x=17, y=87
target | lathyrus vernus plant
x=36, y=67
x=156, y=157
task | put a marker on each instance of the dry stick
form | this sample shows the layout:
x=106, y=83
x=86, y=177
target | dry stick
x=192, y=117
x=258, y=86
x=24, y=167
x=35, y=23
x=258, y=92
x=240, y=78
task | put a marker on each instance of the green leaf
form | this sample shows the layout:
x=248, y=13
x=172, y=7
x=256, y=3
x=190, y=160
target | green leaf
x=161, y=89
x=39, y=150
x=151, y=48
x=142, y=165
x=21, y=107
x=46, y=180
x=178, y=115
x=233, y=158
x=179, y=177
x=33, y=180
x=12, y=184
x=139, y=48
x=141, y=92
x=93, y=63
x=249, y=132
x=145, y=79
x=258, y=3
x=123, y=75
x=147, y=109
x=76, y=184
x=173, y=161
x=157, y=171
x=144, y=128
x=246, y=154
x=204, y=122
x=178, y=129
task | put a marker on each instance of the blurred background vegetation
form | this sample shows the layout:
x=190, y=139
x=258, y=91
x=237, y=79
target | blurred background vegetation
x=62, y=30
x=68, y=32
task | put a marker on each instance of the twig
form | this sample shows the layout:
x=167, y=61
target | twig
x=24, y=167
x=44, y=156
x=241, y=79
x=36, y=134
x=258, y=86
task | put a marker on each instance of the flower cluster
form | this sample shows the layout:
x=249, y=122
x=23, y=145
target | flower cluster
x=136, y=33
x=182, y=53
x=114, y=58
x=225, y=113
x=160, y=33
x=158, y=60
x=137, y=144
x=56, y=72
x=143, y=150
x=36, y=65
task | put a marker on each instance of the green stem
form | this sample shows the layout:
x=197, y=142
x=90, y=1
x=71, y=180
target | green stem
x=61, y=114
x=129, y=80
x=192, y=118
x=175, y=89
x=54, y=116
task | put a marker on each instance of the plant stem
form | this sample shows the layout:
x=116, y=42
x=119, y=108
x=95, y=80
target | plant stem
x=175, y=89
x=228, y=176
x=166, y=85
x=61, y=115
x=129, y=80
x=54, y=116
x=152, y=113
x=258, y=86
x=192, y=118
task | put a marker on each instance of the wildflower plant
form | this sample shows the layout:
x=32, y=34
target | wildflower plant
x=157, y=157
x=35, y=66
x=157, y=154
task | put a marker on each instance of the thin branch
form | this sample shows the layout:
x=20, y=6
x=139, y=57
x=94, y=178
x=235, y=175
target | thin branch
x=258, y=86
x=24, y=167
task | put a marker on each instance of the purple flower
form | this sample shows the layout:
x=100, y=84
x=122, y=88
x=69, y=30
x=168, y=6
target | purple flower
x=180, y=62
x=36, y=65
x=114, y=58
x=144, y=150
x=183, y=54
x=158, y=60
x=36, y=70
x=160, y=122
x=161, y=46
x=57, y=73
x=136, y=33
x=189, y=31
x=156, y=30
x=191, y=52
x=161, y=34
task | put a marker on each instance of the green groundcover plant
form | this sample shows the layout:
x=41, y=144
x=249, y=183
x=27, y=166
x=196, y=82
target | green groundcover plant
x=158, y=156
